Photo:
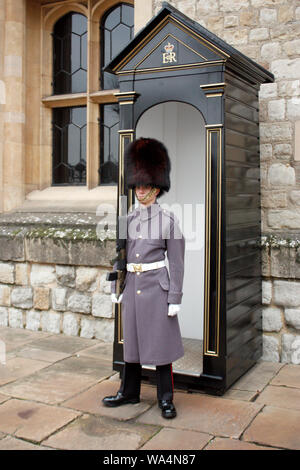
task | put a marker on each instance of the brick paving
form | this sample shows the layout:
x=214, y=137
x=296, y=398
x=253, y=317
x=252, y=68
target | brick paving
x=51, y=388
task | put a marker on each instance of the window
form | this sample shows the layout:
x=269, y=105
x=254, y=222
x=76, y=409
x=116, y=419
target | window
x=69, y=123
x=116, y=31
x=83, y=96
x=70, y=54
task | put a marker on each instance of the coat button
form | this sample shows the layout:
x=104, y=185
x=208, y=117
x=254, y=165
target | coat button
x=137, y=255
x=138, y=291
x=140, y=236
x=138, y=273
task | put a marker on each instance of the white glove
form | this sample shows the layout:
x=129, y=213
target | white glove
x=173, y=310
x=115, y=299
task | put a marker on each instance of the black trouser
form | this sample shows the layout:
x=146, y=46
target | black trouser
x=131, y=381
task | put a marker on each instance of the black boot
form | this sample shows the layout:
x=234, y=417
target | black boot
x=164, y=375
x=168, y=409
x=130, y=388
x=119, y=399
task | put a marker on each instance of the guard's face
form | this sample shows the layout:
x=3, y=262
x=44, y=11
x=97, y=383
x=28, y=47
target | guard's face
x=146, y=194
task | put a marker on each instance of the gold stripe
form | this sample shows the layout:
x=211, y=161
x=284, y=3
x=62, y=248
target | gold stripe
x=213, y=95
x=212, y=85
x=123, y=134
x=207, y=351
x=171, y=67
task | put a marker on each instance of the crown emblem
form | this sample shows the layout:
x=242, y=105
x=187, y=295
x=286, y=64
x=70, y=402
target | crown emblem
x=169, y=47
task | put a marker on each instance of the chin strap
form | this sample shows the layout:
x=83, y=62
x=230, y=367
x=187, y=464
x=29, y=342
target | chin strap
x=148, y=195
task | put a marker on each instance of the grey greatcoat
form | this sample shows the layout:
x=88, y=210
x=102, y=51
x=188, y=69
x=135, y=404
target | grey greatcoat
x=150, y=335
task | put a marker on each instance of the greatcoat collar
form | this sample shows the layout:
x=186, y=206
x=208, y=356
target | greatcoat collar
x=145, y=213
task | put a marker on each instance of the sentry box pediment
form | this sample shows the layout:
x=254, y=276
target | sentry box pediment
x=171, y=40
x=183, y=85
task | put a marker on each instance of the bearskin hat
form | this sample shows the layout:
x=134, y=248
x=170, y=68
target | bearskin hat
x=147, y=163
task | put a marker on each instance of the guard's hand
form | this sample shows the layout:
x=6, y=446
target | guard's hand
x=115, y=299
x=173, y=310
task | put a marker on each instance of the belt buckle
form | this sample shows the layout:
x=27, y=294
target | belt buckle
x=137, y=268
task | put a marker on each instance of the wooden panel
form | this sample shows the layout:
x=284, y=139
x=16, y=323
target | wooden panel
x=243, y=214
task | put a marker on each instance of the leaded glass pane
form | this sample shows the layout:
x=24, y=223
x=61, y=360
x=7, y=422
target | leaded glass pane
x=70, y=54
x=116, y=31
x=109, y=144
x=69, y=145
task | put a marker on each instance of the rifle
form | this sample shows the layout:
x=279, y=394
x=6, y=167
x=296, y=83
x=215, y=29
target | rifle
x=120, y=262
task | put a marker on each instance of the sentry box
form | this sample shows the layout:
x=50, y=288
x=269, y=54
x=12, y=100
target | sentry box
x=186, y=87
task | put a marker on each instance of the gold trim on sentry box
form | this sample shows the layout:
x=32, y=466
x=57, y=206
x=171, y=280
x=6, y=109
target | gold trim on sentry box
x=208, y=350
x=123, y=134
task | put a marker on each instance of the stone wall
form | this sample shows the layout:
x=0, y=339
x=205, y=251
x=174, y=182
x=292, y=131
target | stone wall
x=53, y=276
x=268, y=31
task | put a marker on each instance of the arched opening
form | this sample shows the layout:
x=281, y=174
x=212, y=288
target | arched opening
x=181, y=128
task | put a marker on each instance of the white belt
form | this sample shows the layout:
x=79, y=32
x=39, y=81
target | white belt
x=145, y=266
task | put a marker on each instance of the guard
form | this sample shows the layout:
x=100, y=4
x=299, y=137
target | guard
x=152, y=294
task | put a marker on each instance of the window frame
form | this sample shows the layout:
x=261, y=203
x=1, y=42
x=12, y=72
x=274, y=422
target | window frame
x=92, y=98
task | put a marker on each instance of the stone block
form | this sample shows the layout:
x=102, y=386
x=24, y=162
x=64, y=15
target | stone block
x=270, y=51
x=42, y=274
x=292, y=317
x=281, y=175
x=268, y=90
x=3, y=316
x=33, y=421
x=65, y=275
x=86, y=278
x=80, y=303
x=276, y=132
x=7, y=273
x=22, y=277
x=237, y=5
x=281, y=219
x=15, y=318
x=295, y=197
x=5, y=296
x=276, y=427
x=70, y=325
x=231, y=21
x=268, y=16
x=12, y=243
x=266, y=292
x=290, y=348
x=258, y=34
x=41, y=300
x=272, y=319
x=33, y=320
x=104, y=330
x=102, y=306
x=283, y=151
x=22, y=297
x=285, y=68
x=236, y=37
x=70, y=252
x=87, y=328
x=270, y=349
x=59, y=298
x=50, y=322
x=292, y=48
x=105, y=286
x=289, y=88
x=287, y=293
x=276, y=110
x=293, y=108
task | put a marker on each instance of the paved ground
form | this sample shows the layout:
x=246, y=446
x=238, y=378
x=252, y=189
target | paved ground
x=50, y=398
